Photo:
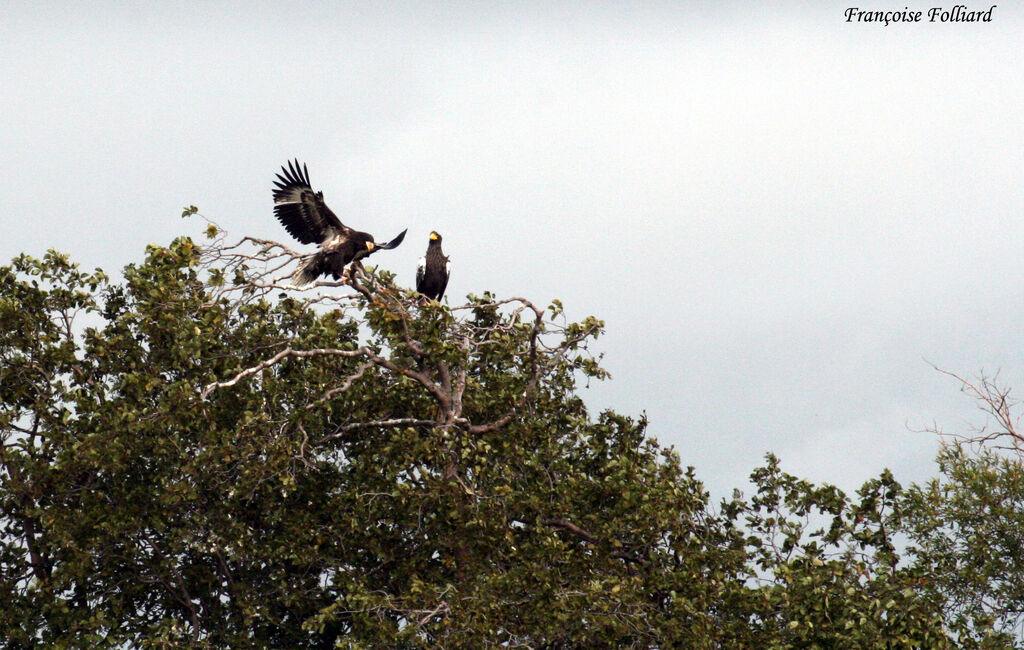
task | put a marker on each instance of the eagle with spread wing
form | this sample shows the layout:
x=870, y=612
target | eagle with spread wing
x=307, y=218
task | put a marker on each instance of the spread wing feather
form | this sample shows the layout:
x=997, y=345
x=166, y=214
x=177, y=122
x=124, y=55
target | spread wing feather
x=393, y=243
x=302, y=211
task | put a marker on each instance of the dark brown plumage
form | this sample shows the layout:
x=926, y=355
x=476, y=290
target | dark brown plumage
x=434, y=270
x=307, y=218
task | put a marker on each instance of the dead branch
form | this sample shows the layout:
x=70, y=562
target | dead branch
x=444, y=381
x=556, y=355
x=360, y=371
x=994, y=400
x=442, y=608
x=274, y=360
x=565, y=524
x=394, y=422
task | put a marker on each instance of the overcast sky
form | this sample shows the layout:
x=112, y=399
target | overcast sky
x=780, y=215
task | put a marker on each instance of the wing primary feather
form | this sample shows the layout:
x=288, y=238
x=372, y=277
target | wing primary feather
x=303, y=211
x=394, y=242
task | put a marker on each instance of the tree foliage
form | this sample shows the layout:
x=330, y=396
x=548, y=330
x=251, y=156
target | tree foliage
x=201, y=456
x=968, y=528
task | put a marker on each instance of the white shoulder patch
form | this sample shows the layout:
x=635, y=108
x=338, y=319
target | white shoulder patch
x=421, y=268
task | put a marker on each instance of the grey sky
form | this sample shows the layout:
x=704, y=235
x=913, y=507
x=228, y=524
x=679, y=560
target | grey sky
x=779, y=214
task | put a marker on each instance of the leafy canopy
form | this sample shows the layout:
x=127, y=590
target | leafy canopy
x=201, y=455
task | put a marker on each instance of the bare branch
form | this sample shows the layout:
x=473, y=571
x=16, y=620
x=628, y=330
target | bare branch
x=444, y=380
x=565, y=524
x=360, y=371
x=442, y=607
x=277, y=358
x=394, y=422
x=555, y=357
x=994, y=400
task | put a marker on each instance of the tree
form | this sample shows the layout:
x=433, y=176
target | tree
x=202, y=456
x=825, y=571
x=219, y=460
x=967, y=525
x=967, y=529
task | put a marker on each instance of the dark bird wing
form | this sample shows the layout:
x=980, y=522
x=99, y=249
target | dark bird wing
x=393, y=243
x=444, y=281
x=432, y=274
x=302, y=211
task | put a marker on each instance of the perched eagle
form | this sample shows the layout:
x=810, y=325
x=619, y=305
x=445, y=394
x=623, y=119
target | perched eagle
x=433, y=271
x=307, y=218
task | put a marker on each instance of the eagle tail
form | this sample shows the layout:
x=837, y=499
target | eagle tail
x=308, y=271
